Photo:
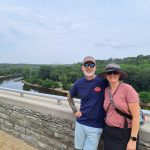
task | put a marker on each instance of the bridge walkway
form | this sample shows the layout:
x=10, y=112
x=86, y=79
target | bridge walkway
x=9, y=142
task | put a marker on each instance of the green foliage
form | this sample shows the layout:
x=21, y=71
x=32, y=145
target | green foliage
x=66, y=86
x=9, y=69
x=50, y=84
x=52, y=76
x=33, y=80
x=45, y=71
x=145, y=97
x=138, y=69
x=44, y=83
x=26, y=73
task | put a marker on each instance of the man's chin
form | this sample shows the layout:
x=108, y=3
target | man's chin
x=88, y=74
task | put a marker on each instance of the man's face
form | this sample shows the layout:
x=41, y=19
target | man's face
x=89, y=68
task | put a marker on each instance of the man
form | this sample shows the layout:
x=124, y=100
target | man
x=90, y=117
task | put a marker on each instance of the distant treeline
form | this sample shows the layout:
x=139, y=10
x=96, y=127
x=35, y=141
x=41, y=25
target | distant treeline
x=9, y=69
x=54, y=76
x=138, y=69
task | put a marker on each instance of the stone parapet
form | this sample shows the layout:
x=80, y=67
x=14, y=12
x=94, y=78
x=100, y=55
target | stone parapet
x=39, y=121
x=43, y=131
x=144, y=136
x=43, y=123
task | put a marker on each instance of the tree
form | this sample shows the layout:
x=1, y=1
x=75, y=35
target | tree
x=45, y=71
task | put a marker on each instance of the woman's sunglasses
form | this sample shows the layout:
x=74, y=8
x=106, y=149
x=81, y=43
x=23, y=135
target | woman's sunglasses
x=91, y=65
x=112, y=72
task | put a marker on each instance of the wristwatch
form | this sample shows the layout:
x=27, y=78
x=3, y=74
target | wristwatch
x=133, y=138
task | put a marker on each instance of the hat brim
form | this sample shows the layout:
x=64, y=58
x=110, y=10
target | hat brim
x=89, y=62
x=123, y=74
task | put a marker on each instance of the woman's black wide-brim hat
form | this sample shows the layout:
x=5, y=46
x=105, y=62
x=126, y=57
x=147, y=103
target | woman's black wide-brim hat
x=114, y=67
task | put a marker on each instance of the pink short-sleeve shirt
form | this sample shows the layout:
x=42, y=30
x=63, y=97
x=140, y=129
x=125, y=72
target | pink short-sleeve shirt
x=124, y=95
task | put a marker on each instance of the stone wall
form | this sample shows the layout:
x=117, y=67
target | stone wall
x=43, y=123
x=44, y=131
x=144, y=136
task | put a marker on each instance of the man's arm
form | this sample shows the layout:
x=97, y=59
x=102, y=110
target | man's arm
x=71, y=102
x=72, y=105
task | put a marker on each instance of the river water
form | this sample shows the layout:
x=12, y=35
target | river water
x=16, y=83
x=12, y=83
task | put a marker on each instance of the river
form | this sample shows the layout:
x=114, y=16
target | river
x=16, y=83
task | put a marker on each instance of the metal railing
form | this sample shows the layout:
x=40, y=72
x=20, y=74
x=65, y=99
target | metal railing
x=22, y=94
x=59, y=99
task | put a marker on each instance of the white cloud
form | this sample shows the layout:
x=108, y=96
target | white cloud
x=116, y=44
x=54, y=31
x=29, y=22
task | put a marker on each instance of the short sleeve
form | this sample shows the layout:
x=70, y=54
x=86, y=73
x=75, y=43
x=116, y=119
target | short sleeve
x=106, y=84
x=73, y=90
x=131, y=95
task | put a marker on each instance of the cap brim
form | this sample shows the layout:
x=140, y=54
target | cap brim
x=89, y=61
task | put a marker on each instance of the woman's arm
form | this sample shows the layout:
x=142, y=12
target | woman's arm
x=135, y=111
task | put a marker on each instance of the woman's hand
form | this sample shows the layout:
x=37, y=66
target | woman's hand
x=78, y=113
x=131, y=145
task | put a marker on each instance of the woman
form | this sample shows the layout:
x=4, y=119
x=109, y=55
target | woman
x=120, y=132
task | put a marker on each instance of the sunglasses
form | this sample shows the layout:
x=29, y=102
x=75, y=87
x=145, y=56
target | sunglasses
x=91, y=65
x=112, y=72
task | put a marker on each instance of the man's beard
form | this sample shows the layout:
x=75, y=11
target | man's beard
x=88, y=74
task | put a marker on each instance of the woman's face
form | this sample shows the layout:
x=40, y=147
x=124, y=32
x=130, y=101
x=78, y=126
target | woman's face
x=113, y=76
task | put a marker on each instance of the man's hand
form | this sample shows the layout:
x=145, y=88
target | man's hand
x=78, y=113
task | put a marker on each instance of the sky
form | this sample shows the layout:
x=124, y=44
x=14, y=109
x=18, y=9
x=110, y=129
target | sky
x=65, y=31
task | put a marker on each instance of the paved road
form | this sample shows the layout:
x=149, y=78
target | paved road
x=9, y=142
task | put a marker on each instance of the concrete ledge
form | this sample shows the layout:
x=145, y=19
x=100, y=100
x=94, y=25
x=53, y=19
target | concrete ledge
x=37, y=120
x=144, y=135
x=43, y=123
x=39, y=104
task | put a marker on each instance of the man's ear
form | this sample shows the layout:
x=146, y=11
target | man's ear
x=82, y=68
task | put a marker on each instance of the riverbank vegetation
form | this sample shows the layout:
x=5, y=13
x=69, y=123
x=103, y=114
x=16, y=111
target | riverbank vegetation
x=63, y=76
x=9, y=69
x=53, y=76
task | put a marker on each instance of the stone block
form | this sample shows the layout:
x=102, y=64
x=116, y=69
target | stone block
x=63, y=138
x=1, y=121
x=4, y=116
x=44, y=146
x=4, y=128
x=53, y=142
x=8, y=124
x=23, y=122
x=33, y=133
x=14, y=132
x=2, y=109
x=29, y=139
x=19, y=128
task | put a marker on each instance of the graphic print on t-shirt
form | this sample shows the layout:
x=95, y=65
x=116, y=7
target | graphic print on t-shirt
x=97, y=89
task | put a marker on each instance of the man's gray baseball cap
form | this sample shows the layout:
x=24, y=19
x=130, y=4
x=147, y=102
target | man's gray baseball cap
x=88, y=59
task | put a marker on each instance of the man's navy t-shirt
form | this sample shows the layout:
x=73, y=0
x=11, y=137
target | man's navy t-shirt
x=91, y=93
